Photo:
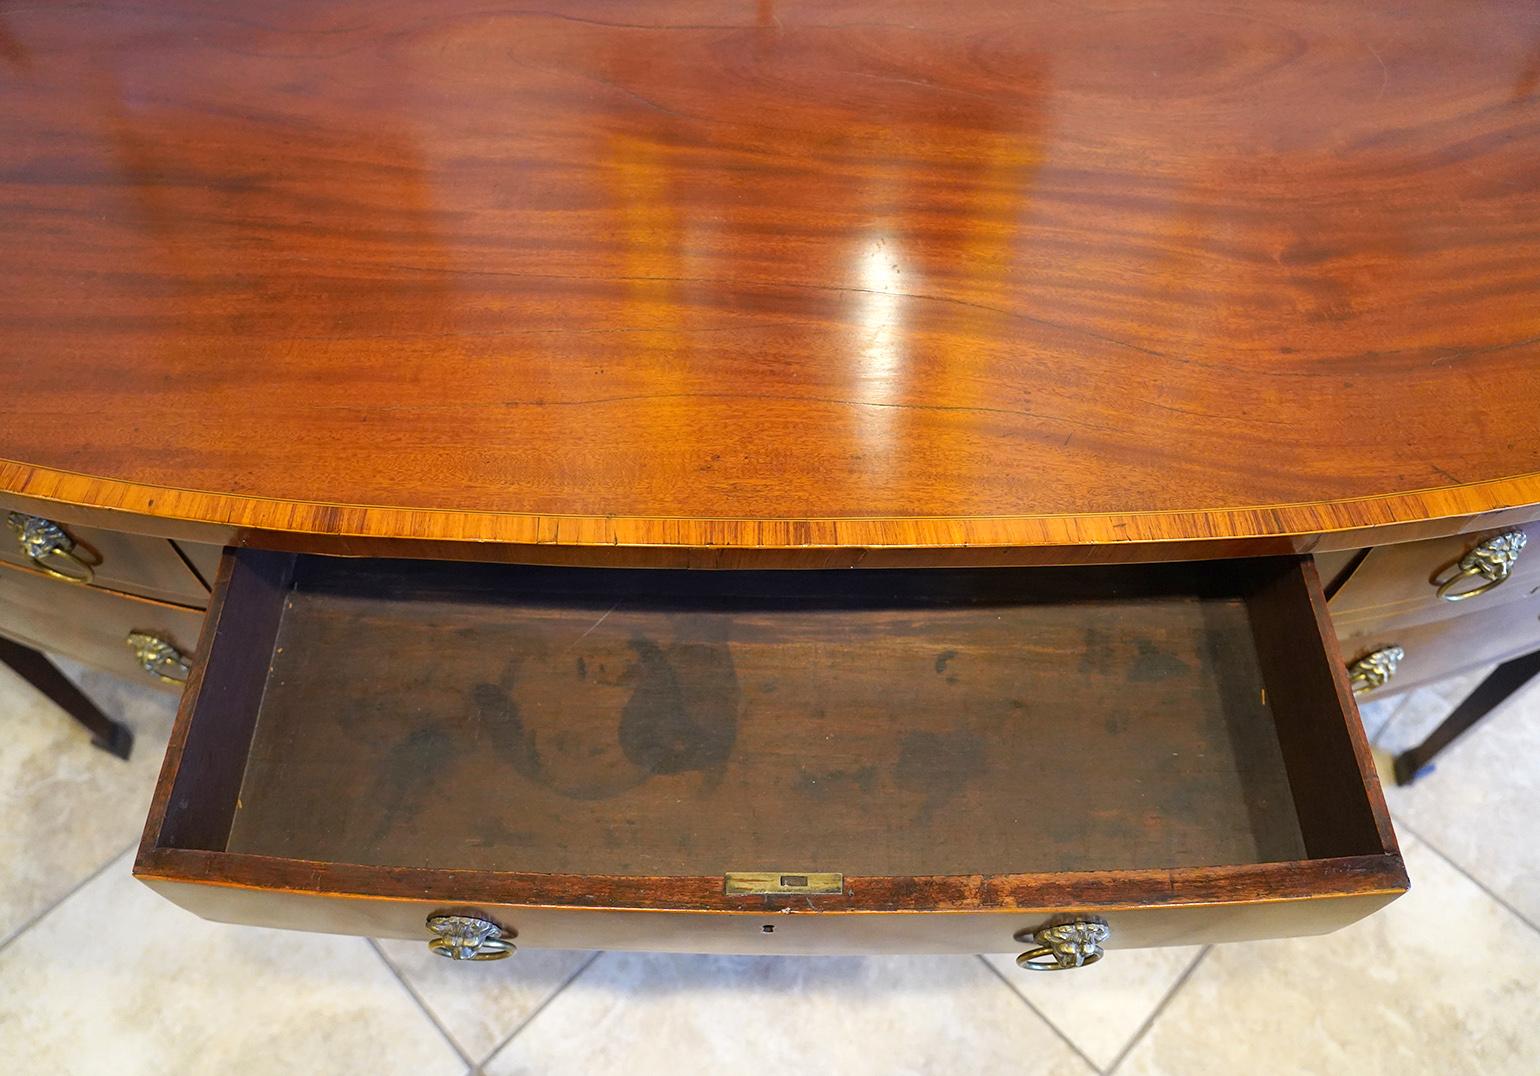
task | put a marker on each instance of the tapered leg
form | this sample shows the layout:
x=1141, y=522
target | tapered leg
x=42, y=674
x=1489, y=694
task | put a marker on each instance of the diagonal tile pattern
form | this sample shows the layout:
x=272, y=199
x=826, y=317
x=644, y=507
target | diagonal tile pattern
x=481, y=1004
x=117, y=980
x=101, y=975
x=1479, y=803
x=1377, y=715
x=1419, y=712
x=1100, y=1008
x=66, y=807
x=1402, y=991
x=641, y=1013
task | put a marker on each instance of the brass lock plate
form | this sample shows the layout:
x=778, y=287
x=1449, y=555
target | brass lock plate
x=776, y=883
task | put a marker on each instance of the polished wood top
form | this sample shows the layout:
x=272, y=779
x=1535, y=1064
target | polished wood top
x=842, y=272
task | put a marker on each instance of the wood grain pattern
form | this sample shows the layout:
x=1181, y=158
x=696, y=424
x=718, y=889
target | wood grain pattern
x=1397, y=585
x=414, y=541
x=89, y=624
x=143, y=565
x=1442, y=647
x=1144, y=908
x=833, y=274
x=1331, y=771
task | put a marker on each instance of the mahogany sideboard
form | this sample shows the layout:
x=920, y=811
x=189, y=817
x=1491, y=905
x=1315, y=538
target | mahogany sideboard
x=777, y=477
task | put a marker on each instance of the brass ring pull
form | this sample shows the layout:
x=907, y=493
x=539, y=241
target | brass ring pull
x=50, y=549
x=1492, y=560
x=159, y=658
x=1374, y=669
x=468, y=937
x=80, y=571
x=1077, y=944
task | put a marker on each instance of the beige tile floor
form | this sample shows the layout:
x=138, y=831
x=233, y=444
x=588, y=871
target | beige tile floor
x=98, y=975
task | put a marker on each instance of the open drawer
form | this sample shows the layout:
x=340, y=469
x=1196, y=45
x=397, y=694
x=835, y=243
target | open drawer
x=814, y=761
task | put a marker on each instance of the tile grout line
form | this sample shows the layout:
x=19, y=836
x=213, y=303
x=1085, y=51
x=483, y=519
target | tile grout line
x=1149, y=1021
x=76, y=888
x=1390, y=719
x=998, y=974
x=1445, y=705
x=1468, y=876
x=497, y=1049
x=421, y=1004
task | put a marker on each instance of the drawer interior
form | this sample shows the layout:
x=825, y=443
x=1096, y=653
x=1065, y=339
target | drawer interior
x=662, y=723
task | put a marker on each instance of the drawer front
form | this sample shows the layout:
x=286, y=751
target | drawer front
x=253, y=894
x=1440, y=648
x=136, y=564
x=762, y=762
x=92, y=625
x=1398, y=585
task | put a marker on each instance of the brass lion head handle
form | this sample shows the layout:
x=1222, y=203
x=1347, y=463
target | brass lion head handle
x=1492, y=560
x=51, y=550
x=1063, y=946
x=158, y=657
x=468, y=937
x=1375, y=669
